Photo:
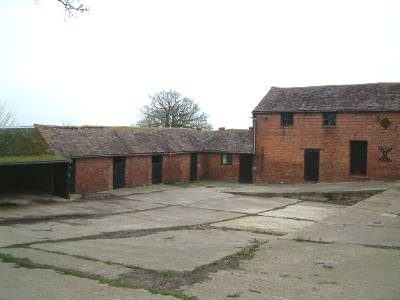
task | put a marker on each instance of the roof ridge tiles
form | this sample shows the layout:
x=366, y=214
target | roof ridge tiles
x=101, y=141
x=383, y=96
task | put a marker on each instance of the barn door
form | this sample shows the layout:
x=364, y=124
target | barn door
x=193, y=166
x=311, y=164
x=358, y=157
x=118, y=172
x=245, y=167
x=156, y=168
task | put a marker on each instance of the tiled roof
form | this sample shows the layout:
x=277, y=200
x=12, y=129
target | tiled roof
x=230, y=140
x=357, y=97
x=72, y=141
x=24, y=145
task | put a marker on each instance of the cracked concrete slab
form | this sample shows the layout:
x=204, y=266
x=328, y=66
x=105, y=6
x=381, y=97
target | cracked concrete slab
x=68, y=262
x=281, y=268
x=382, y=220
x=182, y=196
x=265, y=224
x=298, y=270
x=248, y=205
x=73, y=228
x=92, y=207
x=181, y=250
x=179, y=215
x=352, y=234
x=387, y=201
x=305, y=210
x=155, y=188
x=348, y=216
x=39, y=284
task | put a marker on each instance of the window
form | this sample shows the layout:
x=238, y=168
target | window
x=286, y=119
x=329, y=119
x=226, y=159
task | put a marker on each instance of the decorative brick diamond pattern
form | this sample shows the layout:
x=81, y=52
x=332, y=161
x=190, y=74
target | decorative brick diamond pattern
x=385, y=123
x=385, y=151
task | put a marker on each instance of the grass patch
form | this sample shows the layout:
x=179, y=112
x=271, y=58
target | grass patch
x=167, y=273
x=120, y=282
x=165, y=282
x=249, y=249
x=232, y=261
x=20, y=262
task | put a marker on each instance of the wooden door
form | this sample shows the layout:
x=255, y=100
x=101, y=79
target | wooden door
x=358, y=157
x=193, y=166
x=311, y=164
x=245, y=168
x=118, y=172
x=156, y=169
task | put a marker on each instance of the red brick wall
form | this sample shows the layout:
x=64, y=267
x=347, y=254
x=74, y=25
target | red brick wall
x=176, y=168
x=201, y=166
x=280, y=151
x=137, y=171
x=93, y=174
x=214, y=170
x=96, y=174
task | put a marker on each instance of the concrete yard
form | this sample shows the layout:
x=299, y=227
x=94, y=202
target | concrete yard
x=205, y=240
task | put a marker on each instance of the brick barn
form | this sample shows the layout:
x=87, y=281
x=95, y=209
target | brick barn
x=328, y=133
x=104, y=158
x=302, y=134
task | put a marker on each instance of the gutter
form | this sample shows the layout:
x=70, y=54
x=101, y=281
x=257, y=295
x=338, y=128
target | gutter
x=159, y=153
x=44, y=162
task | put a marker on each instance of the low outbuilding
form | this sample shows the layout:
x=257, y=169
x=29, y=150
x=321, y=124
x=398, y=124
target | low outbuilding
x=27, y=164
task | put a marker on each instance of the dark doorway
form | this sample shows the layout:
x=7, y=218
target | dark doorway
x=51, y=178
x=311, y=164
x=118, y=172
x=72, y=171
x=156, y=168
x=246, y=168
x=358, y=157
x=62, y=179
x=193, y=166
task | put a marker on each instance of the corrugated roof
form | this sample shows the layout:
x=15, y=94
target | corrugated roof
x=72, y=141
x=357, y=97
x=24, y=145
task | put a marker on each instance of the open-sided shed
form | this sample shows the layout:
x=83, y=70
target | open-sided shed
x=28, y=165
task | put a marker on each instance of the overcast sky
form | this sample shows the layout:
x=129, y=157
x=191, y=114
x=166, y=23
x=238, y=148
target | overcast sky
x=100, y=68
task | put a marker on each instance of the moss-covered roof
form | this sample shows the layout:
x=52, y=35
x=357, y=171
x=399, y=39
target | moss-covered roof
x=24, y=145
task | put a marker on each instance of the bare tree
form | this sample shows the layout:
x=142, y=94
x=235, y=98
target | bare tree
x=170, y=109
x=71, y=7
x=74, y=6
x=7, y=118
